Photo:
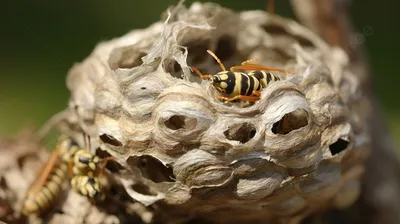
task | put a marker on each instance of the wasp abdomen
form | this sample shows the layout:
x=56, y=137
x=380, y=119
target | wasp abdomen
x=264, y=77
x=40, y=198
x=236, y=83
x=248, y=85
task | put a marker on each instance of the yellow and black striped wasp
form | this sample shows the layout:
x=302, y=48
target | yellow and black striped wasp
x=87, y=174
x=84, y=168
x=68, y=159
x=47, y=187
x=236, y=85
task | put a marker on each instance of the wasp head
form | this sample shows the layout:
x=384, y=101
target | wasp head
x=218, y=82
x=94, y=188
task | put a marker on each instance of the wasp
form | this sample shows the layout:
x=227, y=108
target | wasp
x=87, y=172
x=68, y=158
x=80, y=161
x=236, y=85
x=84, y=168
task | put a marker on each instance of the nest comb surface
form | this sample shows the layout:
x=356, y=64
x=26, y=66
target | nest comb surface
x=298, y=149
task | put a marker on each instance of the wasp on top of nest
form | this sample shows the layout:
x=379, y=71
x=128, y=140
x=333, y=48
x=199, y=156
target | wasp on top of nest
x=234, y=85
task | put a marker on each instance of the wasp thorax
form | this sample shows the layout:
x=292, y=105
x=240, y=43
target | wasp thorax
x=68, y=148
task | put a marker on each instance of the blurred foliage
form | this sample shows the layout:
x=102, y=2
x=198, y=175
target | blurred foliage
x=40, y=41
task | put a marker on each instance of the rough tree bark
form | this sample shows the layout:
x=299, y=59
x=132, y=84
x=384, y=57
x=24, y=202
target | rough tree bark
x=379, y=202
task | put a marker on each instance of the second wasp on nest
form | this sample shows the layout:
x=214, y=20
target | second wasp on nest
x=296, y=149
x=67, y=159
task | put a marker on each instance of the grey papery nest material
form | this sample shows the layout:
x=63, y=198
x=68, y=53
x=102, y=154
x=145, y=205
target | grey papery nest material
x=184, y=153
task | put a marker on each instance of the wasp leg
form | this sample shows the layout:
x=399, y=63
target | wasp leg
x=255, y=67
x=207, y=76
x=105, y=161
x=247, y=62
x=70, y=168
x=256, y=93
x=239, y=97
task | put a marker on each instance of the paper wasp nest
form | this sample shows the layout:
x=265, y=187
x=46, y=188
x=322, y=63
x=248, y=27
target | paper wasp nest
x=297, y=150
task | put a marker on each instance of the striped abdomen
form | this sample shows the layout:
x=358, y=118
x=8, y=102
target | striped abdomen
x=264, y=77
x=41, y=196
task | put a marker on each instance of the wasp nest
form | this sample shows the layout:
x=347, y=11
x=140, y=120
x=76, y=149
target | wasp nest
x=298, y=149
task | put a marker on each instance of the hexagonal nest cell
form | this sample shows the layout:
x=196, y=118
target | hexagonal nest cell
x=242, y=133
x=138, y=99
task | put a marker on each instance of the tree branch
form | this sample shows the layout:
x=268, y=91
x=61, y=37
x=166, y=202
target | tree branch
x=381, y=184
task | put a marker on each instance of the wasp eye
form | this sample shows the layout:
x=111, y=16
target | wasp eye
x=95, y=193
x=216, y=79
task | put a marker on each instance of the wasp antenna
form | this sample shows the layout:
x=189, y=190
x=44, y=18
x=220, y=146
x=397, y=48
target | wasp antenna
x=217, y=59
x=84, y=140
x=200, y=74
x=89, y=143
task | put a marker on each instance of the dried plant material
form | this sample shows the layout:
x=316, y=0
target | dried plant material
x=20, y=159
x=295, y=151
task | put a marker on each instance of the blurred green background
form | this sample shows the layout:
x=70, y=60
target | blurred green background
x=40, y=41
